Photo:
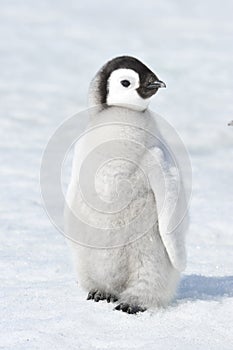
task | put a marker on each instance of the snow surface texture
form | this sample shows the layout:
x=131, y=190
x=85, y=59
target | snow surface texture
x=50, y=50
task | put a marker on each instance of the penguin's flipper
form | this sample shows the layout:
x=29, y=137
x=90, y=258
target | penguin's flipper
x=166, y=183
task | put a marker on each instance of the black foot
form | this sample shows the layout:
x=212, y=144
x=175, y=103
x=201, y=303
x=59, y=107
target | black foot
x=97, y=295
x=111, y=298
x=130, y=309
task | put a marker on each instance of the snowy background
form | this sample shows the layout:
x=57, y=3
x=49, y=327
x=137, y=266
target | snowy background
x=50, y=50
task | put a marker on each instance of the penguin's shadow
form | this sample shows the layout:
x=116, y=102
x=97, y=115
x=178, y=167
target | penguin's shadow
x=197, y=287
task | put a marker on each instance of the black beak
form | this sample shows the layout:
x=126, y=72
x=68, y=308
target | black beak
x=156, y=85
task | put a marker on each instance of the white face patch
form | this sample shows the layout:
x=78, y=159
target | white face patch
x=122, y=85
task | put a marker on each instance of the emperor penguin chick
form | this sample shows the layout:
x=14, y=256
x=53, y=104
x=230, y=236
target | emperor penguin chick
x=121, y=196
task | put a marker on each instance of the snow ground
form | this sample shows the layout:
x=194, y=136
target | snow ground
x=49, y=52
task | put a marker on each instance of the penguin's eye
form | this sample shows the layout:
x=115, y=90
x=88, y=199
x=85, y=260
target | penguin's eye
x=125, y=83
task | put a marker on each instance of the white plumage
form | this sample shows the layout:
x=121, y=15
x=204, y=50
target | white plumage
x=125, y=202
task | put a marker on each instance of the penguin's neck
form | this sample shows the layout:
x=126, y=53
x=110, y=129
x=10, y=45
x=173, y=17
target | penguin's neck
x=124, y=123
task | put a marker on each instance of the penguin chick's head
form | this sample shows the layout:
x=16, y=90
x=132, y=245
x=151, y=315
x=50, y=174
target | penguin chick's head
x=127, y=82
